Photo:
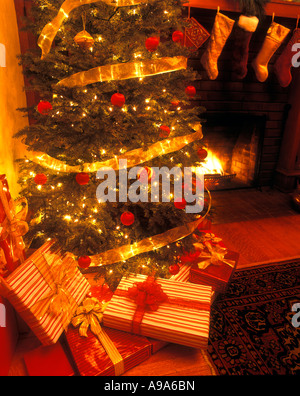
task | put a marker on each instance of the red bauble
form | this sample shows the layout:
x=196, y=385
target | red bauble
x=84, y=261
x=180, y=203
x=202, y=153
x=145, y=174
x=118, y=100
x=190, y=91
x=127, y=218
x=40, y=179
x=164, y=131
x=174, y=269
x=82, y=178
x=152, y=43
x=44, y=107
x=175, y=103
x=178, y=37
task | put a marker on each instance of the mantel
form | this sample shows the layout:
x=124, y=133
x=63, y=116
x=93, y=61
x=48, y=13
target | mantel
x=278, y=7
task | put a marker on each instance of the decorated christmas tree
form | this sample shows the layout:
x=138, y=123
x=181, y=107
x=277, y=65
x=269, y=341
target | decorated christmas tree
x=114, y=85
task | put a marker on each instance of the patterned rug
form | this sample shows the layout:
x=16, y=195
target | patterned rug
x=251, y=325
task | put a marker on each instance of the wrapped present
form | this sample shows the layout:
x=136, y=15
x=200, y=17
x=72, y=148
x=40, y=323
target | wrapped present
x=48, y=361
x=12, y=227
x=8, y=335
x=170, y=311
x=196, y=35
x=46, y=290
x=215, y=266
x=101, y=351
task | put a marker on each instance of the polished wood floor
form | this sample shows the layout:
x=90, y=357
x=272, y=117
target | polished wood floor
x=263, y=227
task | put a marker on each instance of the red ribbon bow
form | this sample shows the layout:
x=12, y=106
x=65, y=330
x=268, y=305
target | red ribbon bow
x=147, y=295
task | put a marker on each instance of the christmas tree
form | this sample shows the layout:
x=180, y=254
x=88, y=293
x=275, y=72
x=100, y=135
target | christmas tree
x=114, y=83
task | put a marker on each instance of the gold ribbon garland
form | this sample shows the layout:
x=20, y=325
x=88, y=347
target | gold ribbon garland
x=90, y=315
x=14, y=225
x=133, y=157
x=214, y=256
x=124, y=71
x=148, y=244
x=49, y=32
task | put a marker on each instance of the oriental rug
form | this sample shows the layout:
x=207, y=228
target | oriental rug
x=253, y=329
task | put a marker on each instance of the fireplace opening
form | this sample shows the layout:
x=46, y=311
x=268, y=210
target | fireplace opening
x=234, y=143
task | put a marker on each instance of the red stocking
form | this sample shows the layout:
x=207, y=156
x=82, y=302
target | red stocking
x=283, y=64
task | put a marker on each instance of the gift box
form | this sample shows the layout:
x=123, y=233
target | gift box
x=48, y=361
x=12, y=227
x=46, y=290
x=101, y=351
x=8, y=335
x=162, y=309
x=215, y=266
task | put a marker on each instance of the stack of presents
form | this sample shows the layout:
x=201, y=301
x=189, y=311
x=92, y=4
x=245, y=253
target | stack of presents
x=86, y=329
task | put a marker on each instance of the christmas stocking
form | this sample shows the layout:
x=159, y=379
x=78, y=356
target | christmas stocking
x=245, y=28
x=283, y=64
x=221, y=31
x=275, y=36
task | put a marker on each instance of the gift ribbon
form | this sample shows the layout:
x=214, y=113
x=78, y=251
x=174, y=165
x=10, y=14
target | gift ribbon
x=133, y=157
x=50, y=30
x=124, y=71
x=90, y=315
x=59, y=300
x=148, y=296
x=14, y=225
x=215, y=256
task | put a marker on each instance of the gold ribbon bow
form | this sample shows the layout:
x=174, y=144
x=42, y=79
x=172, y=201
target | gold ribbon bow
x=215, y=256
x=90, y=315
x=59, y=301
x=14, y=224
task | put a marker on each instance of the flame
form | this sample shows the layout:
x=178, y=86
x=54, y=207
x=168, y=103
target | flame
x=212, y=164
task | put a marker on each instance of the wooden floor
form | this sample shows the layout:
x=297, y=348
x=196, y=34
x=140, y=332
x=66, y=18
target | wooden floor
x=263, y=227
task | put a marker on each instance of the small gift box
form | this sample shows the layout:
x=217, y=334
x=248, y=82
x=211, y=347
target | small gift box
x=215, y=265
x=170, y=311
x=101, y=351
x=12, y=227
x=46, y=290
x=196, y=35
x=48, y=361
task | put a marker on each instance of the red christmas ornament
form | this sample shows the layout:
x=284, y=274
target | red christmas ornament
x=190, y=91
x=174, y=269
x=44, y=107
x=202, y=153
x=178, y=37
x=127, y=218
x=175, y=103
x=180, y=203
x=118, y=100
x=82, y=178
x=40, y=179
x=164, y=131
x=145, y=174
x=84, y=261
x=152, y=43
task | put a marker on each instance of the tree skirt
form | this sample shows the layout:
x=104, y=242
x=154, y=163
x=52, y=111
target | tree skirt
x=251, y=325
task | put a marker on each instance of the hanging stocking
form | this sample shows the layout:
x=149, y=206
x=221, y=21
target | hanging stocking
x=243, y=33
x=283, y=64
x=275, y=37
x=220, y=33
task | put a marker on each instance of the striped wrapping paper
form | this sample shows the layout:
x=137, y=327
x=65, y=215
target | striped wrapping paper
x=27, y=286
x=92, y=360
x=170, y=323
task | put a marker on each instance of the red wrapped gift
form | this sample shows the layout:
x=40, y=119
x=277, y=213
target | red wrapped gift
x=12, y=227
x=8, y=335
x=101, y=351
x=196, y=35
x=48, y=361
x=46, y=290
x=215, y=265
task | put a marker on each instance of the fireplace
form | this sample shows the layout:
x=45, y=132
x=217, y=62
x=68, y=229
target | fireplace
x=234, y=143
